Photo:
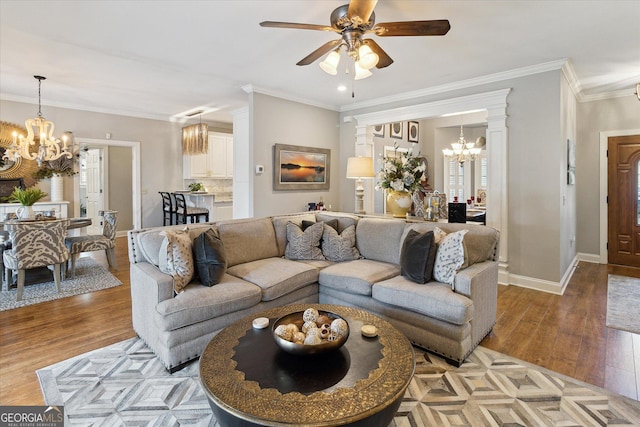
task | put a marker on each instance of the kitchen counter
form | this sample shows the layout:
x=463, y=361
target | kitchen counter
x=220, y=204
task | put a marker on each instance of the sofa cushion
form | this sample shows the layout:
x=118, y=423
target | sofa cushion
x=379, y=239
x=343, y=220
x=280, y=227
x=417, y=256
x=449, y=257
x=356, y=277
x=333, y=223
x=149, y=243
x=432, y=299
x=209, y=257
x=276, y=276
x=199, y=303
x=304, y=244
x=176, y=258
x=248, y=240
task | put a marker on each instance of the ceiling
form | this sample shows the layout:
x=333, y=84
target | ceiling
x=160, y=59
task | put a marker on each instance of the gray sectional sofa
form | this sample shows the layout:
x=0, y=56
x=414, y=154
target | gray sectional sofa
x=449, y=320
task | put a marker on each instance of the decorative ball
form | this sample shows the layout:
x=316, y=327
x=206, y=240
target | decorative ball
x=312, y=340
x=293, y=328
x=309, y=325
x=340, y=327
x=333, y=336
x=283, y=332
x=313, y=331
x=325, y=330
x=299, y=337
x=310, y=315
x=322, y=319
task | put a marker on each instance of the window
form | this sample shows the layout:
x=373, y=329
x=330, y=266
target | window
x=456, y=183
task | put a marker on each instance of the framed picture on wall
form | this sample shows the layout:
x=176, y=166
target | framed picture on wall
x=413, y=131
x=396, y=130
x=300, y=168
x=378, y=130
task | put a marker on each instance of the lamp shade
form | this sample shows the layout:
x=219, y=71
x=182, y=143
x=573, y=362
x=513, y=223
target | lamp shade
x=195, y=139
x=360, y=167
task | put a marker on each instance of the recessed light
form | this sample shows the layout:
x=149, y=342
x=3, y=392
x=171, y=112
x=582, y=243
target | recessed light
x=342, y=88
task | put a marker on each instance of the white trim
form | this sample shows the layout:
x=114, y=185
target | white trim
x=593, y=258
x=604, y=220
x=136, y=202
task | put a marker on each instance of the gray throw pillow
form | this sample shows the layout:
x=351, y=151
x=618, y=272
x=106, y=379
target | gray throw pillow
x=340, y=247
x=417, y=256
x=209, y=257
x=304, y=245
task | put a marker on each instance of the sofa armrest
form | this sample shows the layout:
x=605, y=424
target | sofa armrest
x=479, y=282
x=149, y=286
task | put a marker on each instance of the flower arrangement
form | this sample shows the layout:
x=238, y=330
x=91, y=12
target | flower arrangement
x=62, y=166
x=401, y=172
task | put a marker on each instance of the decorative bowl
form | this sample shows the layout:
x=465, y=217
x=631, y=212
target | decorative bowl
x=307, y=349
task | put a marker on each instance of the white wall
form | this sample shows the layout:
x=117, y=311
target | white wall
x=279, y=121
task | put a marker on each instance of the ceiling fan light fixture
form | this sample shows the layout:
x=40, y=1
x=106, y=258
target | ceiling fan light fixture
x=330, y=63
x=361, y=73
x=368, y=58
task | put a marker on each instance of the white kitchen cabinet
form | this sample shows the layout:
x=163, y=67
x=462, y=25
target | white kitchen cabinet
x=216, y=163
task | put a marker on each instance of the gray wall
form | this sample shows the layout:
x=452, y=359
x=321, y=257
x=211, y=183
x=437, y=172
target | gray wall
x=120, y=200
x=594, y=117
x=278, y=121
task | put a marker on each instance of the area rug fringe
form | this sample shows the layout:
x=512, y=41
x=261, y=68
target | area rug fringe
x=125, y=384
x=89, y=277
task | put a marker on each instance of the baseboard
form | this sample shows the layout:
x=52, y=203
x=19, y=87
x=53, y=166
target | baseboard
x=534, y=283
x=594, y=258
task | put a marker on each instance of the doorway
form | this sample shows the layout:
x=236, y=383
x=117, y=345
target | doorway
x=623, y=192
x=92, y=186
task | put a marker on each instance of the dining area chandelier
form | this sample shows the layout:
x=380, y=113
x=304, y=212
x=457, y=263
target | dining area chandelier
x=461, y=150
x=39, y=144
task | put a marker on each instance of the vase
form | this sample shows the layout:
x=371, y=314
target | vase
x=25, y=212
x=57, y=188
x=399, y=202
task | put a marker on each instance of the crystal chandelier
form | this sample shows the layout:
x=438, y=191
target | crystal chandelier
x=40, y=144
x=462, y=150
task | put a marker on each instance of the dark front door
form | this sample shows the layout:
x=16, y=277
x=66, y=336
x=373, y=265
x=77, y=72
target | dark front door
x=624, y=200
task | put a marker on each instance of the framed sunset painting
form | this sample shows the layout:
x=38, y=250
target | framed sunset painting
x=300, y=168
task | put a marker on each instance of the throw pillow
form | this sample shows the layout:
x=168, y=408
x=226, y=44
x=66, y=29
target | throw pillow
x=332, y=223
x=449, y=257
x=340, y=247
x=209, y=257
x=175, y=257
x=417, y=256
x=304, y=245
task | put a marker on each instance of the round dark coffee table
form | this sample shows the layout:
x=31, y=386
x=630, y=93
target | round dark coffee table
x=250, y=381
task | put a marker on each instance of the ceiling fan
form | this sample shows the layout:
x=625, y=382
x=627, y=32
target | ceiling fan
x=353, y=21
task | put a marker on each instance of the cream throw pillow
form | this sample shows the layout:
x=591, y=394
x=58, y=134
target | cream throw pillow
x=176, y=257
x=449, y=256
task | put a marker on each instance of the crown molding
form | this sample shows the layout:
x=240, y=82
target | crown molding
x=250, y=88
x=606, y=95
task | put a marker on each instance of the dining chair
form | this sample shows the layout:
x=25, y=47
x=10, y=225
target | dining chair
x=168, y=208
x=185, y=213
x=98, y=242
x=35, y=244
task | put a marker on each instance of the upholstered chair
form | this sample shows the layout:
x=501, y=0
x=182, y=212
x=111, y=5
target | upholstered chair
x=168, y=208
x=100, y=242
x=185, y=213
x=35, y=244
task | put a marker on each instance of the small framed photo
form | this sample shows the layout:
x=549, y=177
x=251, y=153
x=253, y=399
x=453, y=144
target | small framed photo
x=413, y=131
x=396, y=130
x=378, y=130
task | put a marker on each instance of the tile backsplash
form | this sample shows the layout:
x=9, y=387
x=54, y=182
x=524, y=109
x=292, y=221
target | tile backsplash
x=213, y=185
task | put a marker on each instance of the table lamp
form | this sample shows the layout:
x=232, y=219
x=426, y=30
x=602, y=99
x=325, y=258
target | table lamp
x=359, y=168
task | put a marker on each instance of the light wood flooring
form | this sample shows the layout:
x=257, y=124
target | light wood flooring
x=564, y=333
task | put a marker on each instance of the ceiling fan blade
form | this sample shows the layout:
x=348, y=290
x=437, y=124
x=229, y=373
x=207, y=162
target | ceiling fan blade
x=276, y=24
x=361, y=9
x=325, y=48
x=413, y=28
x=384, y=59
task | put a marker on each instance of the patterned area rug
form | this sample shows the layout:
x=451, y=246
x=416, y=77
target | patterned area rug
x=90, y=276
x=125, y=384
x=623, y=300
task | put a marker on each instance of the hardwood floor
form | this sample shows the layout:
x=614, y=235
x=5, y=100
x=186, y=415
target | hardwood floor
x=564, y=333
